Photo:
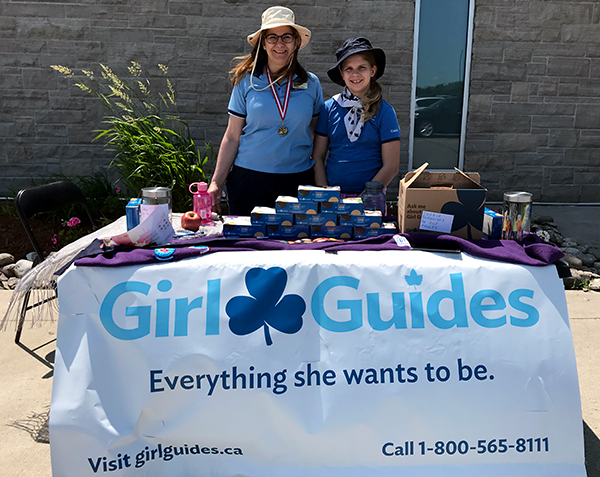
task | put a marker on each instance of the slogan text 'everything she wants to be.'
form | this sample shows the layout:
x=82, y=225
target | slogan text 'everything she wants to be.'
x=160, y=382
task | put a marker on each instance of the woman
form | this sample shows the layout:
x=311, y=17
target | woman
x=273, y=110
x=358, y=127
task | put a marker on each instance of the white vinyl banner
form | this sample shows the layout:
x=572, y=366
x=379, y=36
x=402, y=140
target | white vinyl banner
x=306, y=363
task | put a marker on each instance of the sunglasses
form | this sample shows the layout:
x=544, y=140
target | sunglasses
x=272, y=39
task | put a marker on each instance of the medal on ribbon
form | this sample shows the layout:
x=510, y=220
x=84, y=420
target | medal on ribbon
x=282, y=108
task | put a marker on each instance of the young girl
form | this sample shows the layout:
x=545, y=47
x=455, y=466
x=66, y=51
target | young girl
x=357, y=127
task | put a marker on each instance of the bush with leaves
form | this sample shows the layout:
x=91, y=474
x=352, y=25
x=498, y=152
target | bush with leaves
x=105, y=199
x=153, y=146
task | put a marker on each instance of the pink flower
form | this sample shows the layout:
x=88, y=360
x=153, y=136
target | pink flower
x=73, y=221
x=118, y=190
x=54, y=239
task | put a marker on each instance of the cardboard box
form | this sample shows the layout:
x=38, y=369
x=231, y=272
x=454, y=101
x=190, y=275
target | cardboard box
x=369, y=218
x=132, y=213
x=287, y=232
x=331, y=231
x=319, y=194
x=291, y=205
x=318, y=219
x=242, y=227
x=366, y=232
x=458, y=194
x=347, y=206
x=269, y=216
x=492, y=224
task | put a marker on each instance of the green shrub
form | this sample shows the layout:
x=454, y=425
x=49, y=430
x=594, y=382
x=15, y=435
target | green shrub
x=105, y=200
x=153, y=146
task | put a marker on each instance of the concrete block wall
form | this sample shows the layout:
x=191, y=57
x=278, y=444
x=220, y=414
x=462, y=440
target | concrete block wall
x=533, y=119
x=47, y=123
x=534, y=106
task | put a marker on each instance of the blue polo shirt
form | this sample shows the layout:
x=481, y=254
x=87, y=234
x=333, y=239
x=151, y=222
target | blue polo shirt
x=261, y=147
x=351, y=164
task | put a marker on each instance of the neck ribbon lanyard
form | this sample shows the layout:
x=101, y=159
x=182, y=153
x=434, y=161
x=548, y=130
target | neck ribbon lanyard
x=282, y=108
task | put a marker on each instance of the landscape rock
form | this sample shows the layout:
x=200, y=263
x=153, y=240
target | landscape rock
x=595, y=251
x=544, y=235
x=22, y=267
x=548, y=233
x=571, y=282
x=584, y=274
x=5, y=259
x=569, y=242
x=544, y=219
x=31, y=256
x=555, y=237
x=595, y=284
x=573, y=261
x=587, y=258
x=9, y=270
x=12, y=283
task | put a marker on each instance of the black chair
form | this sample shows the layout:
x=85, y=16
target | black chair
x=29, y=202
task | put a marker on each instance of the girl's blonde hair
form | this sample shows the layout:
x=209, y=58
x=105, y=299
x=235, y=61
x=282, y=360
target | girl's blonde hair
x=246, y=63
x=375, y=94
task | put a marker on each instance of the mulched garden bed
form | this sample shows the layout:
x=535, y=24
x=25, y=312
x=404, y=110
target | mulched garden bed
x=14, y=239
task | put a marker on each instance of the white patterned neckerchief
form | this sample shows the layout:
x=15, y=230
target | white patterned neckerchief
x=353, y=120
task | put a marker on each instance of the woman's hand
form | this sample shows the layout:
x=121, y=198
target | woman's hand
x=227, y=154
x=216, y=193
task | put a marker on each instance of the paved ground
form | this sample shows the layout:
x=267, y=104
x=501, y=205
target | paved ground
x=24, y=402
x=584, y=311
x=25, y=392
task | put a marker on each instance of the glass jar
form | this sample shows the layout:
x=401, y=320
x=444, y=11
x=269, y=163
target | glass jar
x=373, y=197
x=153, y=197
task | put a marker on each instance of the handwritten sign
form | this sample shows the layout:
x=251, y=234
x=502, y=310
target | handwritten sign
x=436, y=222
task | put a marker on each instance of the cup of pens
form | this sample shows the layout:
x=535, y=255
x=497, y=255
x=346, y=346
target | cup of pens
x=516, y=213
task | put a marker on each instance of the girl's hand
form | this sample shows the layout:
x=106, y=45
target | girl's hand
x=321, y=144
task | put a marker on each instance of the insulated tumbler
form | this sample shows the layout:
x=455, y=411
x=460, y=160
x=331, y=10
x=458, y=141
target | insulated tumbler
x=517, y=215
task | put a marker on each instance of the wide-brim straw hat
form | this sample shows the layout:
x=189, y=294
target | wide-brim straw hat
x=350, y=47
x=274, y=17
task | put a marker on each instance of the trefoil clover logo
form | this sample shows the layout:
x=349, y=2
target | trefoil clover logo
x=266, y=307
x=467, y=211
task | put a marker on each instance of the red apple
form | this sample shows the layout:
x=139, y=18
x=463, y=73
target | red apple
x=191, y=221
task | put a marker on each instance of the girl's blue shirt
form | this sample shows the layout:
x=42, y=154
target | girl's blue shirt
x=351, y=164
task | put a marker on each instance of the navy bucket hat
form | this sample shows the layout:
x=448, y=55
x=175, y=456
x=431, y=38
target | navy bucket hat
x=350, y=47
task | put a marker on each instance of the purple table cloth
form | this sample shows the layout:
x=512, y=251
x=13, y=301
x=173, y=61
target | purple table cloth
x=531, y=251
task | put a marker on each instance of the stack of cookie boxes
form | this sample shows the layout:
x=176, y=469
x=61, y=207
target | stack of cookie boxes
x=316, y=212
